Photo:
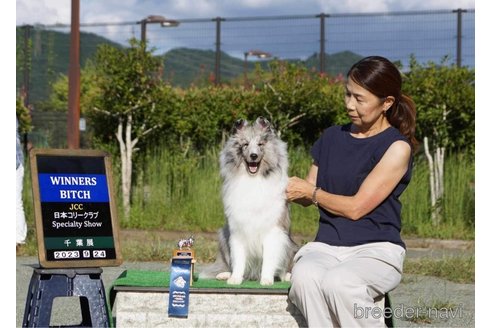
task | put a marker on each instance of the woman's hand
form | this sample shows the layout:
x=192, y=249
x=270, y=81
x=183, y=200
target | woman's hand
x=299, y=191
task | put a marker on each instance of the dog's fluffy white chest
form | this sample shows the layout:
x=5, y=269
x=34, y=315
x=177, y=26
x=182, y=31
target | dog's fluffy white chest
x=253, y=204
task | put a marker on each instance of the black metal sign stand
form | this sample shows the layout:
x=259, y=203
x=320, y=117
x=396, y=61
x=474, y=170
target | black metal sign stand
x=47, y=284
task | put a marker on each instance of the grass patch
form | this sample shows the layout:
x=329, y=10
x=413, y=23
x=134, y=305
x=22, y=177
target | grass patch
x=181, y=191
x=456, y=269
x=158, y=249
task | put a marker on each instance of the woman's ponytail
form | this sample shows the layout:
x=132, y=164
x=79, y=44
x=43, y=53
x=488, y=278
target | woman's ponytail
x=402, y=115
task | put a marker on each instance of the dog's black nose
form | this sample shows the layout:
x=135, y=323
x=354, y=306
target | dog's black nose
x=253, y=156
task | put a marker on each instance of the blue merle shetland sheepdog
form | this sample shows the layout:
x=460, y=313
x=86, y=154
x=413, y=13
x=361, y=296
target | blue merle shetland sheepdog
x=255, y=242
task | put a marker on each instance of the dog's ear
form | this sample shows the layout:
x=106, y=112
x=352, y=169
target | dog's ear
x=264, y=124
x=239, y=125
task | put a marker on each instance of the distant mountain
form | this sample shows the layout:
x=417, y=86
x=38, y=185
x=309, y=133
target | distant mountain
x=182, y=66
x=335, y=64
x=50, y=57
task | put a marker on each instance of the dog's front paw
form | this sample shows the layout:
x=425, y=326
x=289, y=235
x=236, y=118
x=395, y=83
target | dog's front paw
x=223, y=276
x=266, y=281
x=233, y=280
x=285, y=277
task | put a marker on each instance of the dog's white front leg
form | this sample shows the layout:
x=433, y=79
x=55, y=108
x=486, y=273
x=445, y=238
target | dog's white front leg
x=238, y=259
x=273, y=246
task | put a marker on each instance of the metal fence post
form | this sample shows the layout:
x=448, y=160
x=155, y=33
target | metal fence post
x=322, y=41
x=459, y=35
x=217, y=49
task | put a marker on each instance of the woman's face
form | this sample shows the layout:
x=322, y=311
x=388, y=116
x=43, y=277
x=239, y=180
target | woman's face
x=364, y=108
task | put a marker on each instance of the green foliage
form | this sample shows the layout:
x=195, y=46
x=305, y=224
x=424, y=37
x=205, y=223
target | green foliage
x=445, y=100
x=127, y=77
x=23, y=115
x=89, y=90
x=300, y=103
x=203, y=116
x=127, y=81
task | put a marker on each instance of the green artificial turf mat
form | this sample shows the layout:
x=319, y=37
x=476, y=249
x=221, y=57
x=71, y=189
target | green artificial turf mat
x=138, y=278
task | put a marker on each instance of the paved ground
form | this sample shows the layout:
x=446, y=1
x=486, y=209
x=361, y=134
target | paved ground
x=415, y=295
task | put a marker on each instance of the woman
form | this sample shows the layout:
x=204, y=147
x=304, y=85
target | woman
x=21, y=226
x=359, y=171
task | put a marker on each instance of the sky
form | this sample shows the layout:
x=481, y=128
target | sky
x=49, y=12
x=201, y=36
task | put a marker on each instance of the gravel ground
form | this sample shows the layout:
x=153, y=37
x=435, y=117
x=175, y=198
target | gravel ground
x=417, y=296
x=423, y=299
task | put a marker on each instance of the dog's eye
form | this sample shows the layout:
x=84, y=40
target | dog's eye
x=245, y=145
x=261, y=144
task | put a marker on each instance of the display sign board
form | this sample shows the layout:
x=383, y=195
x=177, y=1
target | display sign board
x=74, y=208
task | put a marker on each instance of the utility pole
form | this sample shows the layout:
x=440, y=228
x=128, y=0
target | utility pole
x=73, y=118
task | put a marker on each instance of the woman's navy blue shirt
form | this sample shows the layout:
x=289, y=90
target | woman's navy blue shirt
x=343, y=163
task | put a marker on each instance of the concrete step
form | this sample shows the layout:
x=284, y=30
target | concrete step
x=238, y=309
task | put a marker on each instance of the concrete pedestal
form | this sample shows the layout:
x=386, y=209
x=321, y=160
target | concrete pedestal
x=147, y=307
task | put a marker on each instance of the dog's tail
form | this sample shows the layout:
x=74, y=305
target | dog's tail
x=210, y=271
x=222, y=262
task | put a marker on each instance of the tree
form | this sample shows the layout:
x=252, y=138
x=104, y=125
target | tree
x=129, y=106
x=445, y=100
x=299, y=102
x=58, y=97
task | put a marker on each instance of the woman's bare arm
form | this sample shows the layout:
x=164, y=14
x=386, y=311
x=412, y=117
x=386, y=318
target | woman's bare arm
x=375, y=188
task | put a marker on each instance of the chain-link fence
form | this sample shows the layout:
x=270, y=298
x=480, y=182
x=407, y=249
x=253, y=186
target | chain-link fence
x=221, y=49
